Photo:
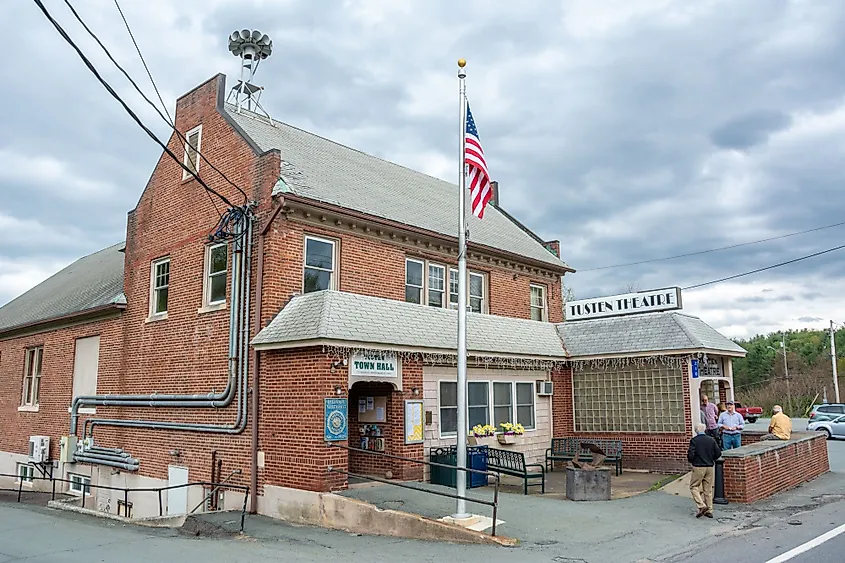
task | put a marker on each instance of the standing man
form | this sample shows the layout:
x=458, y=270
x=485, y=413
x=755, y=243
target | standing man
x=711, y=416
x=702, y=454
x=780, y=428
x=731, y=424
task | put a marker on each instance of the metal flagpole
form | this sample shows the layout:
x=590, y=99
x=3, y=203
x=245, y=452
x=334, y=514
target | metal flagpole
x=833, y=360
x=461, y=476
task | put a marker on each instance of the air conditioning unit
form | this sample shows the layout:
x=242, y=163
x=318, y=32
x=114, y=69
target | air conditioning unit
x=545, y=387
x=39, y=449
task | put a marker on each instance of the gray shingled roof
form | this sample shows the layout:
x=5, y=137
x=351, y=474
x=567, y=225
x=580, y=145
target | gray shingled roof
x=90, y=282
x=329, y=172
x=340, y=316
x=650, y=332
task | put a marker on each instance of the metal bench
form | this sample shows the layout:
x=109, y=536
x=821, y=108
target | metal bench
x=569, y=449
x=513, y=463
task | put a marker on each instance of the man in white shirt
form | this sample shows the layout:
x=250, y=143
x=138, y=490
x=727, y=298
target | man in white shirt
x=731, y=423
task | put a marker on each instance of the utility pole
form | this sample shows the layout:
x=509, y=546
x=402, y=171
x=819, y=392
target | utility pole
x=786, y=373
x=833, y=361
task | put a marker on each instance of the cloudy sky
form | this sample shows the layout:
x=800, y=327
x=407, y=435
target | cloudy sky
x=630, y=130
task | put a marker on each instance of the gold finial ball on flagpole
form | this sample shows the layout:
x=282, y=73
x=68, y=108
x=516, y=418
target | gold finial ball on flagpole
x=462, y=63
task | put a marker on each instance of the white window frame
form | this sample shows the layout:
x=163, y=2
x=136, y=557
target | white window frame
x=444, y=293
x=185, y=174
x=485, y=305
x=29, y=470
x=491, y=417
x=31, y=384
x=440, y=408
x=207, y=303
x=420, y=288
x=544, y=308
x=333, y=273
x=154, y=288
x=84, y=484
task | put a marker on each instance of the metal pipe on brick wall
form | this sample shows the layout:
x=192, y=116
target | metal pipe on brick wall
x=240, y=269
x=121, y=465
x=256, y=357
x=207, y=400
x=127, y=460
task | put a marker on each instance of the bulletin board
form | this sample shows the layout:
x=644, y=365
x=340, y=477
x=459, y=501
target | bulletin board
x=372, y=409
x=413, y=422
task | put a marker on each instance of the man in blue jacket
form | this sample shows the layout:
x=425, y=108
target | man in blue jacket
x=702, y=454
x=731, y=423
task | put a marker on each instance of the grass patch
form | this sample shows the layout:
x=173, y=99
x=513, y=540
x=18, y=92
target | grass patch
x=663, y=482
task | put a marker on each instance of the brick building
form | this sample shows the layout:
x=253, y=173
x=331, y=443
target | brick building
x=172, y=359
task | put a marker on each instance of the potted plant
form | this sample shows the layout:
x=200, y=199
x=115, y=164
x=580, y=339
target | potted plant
x=510, y=432
x=485, y=435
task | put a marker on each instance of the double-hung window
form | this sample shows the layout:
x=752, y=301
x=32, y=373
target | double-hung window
x=79, y=484
x=320, y=271
x=159, y=287
x=476, y=294
x=525, y=404
x=502, y=403
x=436, y=285
x=478, y=397
x=216, y=264
x=32, y=376
x=192, y=151
x=414, y=282
x=538, y=303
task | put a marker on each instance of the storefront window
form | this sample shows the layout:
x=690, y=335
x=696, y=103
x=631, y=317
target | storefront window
x=631, y=399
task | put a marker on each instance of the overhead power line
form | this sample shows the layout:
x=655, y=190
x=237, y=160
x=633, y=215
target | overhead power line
x=713, y=249
x=117, y=97
x=141, y=56
x=138, y=89
x=766, y=268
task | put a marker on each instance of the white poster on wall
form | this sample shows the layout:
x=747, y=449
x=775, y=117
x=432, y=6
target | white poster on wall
x=371, y=363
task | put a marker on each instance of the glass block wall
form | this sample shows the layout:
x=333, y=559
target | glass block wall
x=629, y=399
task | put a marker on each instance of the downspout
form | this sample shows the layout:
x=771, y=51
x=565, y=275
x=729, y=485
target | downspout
x=237, y=314
x=256, y=358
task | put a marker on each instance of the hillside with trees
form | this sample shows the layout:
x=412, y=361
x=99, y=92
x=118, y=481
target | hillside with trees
x=760, y=378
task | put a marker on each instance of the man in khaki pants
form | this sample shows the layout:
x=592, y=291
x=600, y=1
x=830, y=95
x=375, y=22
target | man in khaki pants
x=702, y=454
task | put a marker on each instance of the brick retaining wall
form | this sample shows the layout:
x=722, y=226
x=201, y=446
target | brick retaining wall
x=759, y=470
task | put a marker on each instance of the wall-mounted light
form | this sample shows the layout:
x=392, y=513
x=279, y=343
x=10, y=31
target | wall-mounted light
x=175, y=453
x=415, y=390
x=338, y=390
x=338, y=363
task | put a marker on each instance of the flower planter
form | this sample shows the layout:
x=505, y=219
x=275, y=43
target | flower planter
x=508, y=439
x=488, y=441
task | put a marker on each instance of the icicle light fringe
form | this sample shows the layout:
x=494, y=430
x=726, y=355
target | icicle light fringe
x=677, y=362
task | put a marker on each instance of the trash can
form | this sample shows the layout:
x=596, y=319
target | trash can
x=476, y=459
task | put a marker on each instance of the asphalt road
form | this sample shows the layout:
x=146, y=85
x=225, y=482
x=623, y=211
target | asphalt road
x=653, y=528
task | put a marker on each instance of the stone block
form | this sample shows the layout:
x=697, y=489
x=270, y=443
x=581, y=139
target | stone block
x=588, y=484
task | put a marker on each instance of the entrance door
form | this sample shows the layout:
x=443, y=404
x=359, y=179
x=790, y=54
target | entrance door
x=177, y=499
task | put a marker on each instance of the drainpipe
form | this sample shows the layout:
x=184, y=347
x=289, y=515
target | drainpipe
x=256, y=358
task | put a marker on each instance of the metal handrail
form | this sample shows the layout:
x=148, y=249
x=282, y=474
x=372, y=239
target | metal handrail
x=494, y=503
x=125, y=490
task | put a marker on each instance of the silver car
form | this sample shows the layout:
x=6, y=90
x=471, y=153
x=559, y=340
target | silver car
x=833, y=428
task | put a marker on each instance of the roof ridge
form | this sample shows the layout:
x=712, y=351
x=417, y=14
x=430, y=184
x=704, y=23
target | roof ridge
x=693, y=340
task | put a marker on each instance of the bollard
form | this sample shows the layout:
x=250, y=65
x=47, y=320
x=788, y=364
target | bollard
x=719, y=485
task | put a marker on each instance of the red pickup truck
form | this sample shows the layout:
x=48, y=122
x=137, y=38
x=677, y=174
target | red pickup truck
x=750, y=414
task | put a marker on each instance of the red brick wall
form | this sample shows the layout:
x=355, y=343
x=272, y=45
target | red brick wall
x=55, y=396
x=375, y=266
x=657, y=452
x=756, y=476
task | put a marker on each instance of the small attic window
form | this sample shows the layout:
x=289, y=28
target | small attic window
x=192, y=150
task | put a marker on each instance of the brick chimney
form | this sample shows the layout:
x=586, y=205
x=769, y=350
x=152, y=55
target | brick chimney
x=494, y=187
x=554, y=247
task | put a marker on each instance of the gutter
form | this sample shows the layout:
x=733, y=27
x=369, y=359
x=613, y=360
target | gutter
x=92, y=312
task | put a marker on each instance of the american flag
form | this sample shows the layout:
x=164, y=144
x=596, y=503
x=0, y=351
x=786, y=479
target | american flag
x=478, y=180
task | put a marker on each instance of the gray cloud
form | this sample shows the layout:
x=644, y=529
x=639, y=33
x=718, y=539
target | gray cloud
x=646, y=131
x=810, y=319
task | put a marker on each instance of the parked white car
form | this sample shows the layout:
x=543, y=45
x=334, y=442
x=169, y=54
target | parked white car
x=833, y=428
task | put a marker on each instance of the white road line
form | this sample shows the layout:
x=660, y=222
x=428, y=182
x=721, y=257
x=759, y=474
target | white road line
x=808, y=546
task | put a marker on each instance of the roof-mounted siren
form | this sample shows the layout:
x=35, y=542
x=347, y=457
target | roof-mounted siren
x=252, y=47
